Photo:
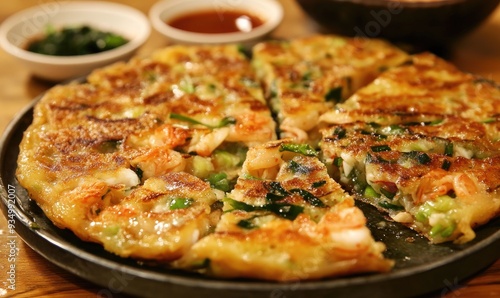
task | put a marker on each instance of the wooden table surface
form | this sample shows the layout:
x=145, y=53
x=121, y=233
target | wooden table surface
x=478, y=52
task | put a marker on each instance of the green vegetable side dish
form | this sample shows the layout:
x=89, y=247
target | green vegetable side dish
x=74, y=41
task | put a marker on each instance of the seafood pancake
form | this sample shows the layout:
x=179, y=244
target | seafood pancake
x=286, y=219
x=99, y=155
x=174, y=159
x=305, y=77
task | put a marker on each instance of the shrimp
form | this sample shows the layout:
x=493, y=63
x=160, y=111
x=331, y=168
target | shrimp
x=263, y=163
x=439, y=182
x=252, y=128
x=165, y=135
x=294, y=133
x=159, y=161
x=205, y=141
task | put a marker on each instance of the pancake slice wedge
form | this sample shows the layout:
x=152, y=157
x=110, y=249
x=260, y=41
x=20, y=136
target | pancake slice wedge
x=287, y=220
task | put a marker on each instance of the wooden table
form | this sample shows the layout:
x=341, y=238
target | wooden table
x=479, y=52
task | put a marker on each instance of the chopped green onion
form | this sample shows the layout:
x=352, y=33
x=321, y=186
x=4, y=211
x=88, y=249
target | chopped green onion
x=396, y=129
x=387, y=193
x=139, y=172
x=387, y=205
x=276, y=188
x=240, y=205
x=298, y=168
x=370, y=193
x=337, y=161
x=448, y=149
x=224, y=122
x=246, y=224
x=339, y=133
x=187, y=85
x=446, y=165
x=287, y=211
x=318, y=184
x=304, y=149
x=436, y=122
x=334, y=94
x=420, y=157
x=180, y=203
x=219, y=181
x=380, y=148
x=109, y=146
x=309, y=197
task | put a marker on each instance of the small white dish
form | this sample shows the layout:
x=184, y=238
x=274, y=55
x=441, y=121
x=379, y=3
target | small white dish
x=163, y=12
x=120, y=19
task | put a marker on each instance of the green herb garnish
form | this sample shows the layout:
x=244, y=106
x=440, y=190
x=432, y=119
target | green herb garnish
x=334, y=94
x=380, y=148
x=308, y=197
x=180, y=203
x=224, y=122
x=387, y=205
x=220, y=181
x=284, y=210
x=446, y=165
x=448, y=149
x=318, y=184
x=304, y=149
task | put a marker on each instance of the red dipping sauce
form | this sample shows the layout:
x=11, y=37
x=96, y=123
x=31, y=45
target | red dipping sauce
x=212, y=21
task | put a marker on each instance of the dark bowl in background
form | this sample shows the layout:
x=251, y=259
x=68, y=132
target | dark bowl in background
x=421, y=25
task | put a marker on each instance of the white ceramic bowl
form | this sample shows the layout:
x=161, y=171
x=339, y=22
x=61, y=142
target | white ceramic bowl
x=270, y=11
x=126, y=21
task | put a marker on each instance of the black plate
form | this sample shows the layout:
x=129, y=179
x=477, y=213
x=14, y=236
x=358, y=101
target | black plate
x=420, y=267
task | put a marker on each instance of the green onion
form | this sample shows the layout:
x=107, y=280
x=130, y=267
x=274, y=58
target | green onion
x=304, y=149
x=180, y=203
x=388, y=193
x=246, y=224
x=139, y=172
x=224, y=122
x=318, y=184
x=370, y=193
x=205, y=263
x=295, y=167
x=273, y=89
x=187, y=85
x=334, y=94
x=337, y=161
x=373, y=125
x=309, y=197
x=436, y=122
x=448, y=149
x=109, y=146
x=276, y=188
x=219, y=181
x=287, y=211
x=420, y=157
x=339, y=133
x=396, y=129
x=241, y=205
x=380, y=148
x=446, y=165
x=442, y=230
x=387, y=205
